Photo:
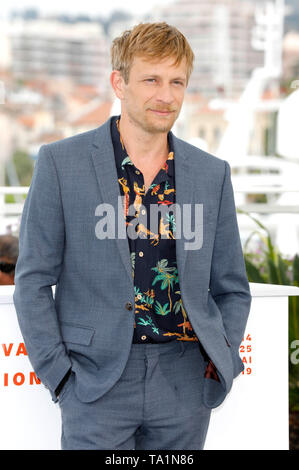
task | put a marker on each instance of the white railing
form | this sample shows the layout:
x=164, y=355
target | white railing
x=271, y=207
x=15, y=208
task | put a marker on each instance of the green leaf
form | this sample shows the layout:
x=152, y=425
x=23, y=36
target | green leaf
x=282, y=269
x=143, y=322
x=161, y=310
x=273, y=273
x=159, y=277
x=253, y=272
x=296, y=270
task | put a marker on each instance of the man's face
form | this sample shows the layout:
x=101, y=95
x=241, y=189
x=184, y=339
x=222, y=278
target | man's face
x=154, y=95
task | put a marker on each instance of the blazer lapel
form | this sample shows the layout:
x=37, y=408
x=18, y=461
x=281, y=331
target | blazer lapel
x=104, y=163
x=184, y=184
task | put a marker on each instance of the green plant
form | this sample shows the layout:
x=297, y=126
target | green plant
x=269, y=266
x=24, y=167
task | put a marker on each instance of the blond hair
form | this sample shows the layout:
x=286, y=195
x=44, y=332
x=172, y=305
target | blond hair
x=153, y=41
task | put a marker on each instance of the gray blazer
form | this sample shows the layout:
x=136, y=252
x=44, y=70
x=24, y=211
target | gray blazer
x=87, y=325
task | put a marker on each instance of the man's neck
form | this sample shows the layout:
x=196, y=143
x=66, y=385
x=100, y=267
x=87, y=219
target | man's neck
x=144, y=149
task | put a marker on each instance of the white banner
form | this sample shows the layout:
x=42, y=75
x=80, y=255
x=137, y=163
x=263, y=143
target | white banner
x=253, y=416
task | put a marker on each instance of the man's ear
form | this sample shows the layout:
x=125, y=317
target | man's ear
x=117, y=83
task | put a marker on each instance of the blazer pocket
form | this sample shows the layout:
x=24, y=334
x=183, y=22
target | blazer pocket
x=76, y=334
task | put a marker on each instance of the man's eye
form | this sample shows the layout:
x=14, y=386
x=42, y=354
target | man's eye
x=150, y=80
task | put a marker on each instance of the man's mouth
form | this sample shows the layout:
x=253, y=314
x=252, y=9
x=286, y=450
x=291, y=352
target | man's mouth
x=161, y=112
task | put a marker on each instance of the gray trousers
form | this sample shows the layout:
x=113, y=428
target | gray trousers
x=155, y=405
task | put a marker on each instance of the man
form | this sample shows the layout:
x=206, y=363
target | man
x=141, y=340
x=9, y=251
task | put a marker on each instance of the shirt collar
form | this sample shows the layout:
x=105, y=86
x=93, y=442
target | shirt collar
x=121, y=156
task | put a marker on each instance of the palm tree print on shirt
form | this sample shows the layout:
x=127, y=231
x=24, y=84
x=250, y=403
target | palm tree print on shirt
x=167, y=276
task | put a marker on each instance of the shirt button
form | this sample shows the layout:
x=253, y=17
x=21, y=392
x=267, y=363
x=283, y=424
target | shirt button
x=140, y=253
x=137, y=172
x=129, y=306
x=139, y=296
x=143, y=337
x=143, y=211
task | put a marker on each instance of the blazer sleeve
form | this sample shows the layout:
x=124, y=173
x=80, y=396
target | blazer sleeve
x=229, y=284
x=41, y=248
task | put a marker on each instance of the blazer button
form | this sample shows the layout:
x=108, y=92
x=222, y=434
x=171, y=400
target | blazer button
x=129, y=306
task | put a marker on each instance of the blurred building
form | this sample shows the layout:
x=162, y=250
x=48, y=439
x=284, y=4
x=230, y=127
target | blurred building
x=5, y=50
x=291, y=56
x=52, y=49
x=220, y=34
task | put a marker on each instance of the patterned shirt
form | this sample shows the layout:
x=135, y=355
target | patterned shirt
x=159, y=311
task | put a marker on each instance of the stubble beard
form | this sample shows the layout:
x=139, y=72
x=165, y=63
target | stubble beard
x=153, y=127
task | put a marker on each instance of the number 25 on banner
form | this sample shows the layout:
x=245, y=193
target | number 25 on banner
x=245, y=352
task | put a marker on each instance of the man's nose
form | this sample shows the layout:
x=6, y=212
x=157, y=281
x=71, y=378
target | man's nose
x=164, y=94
